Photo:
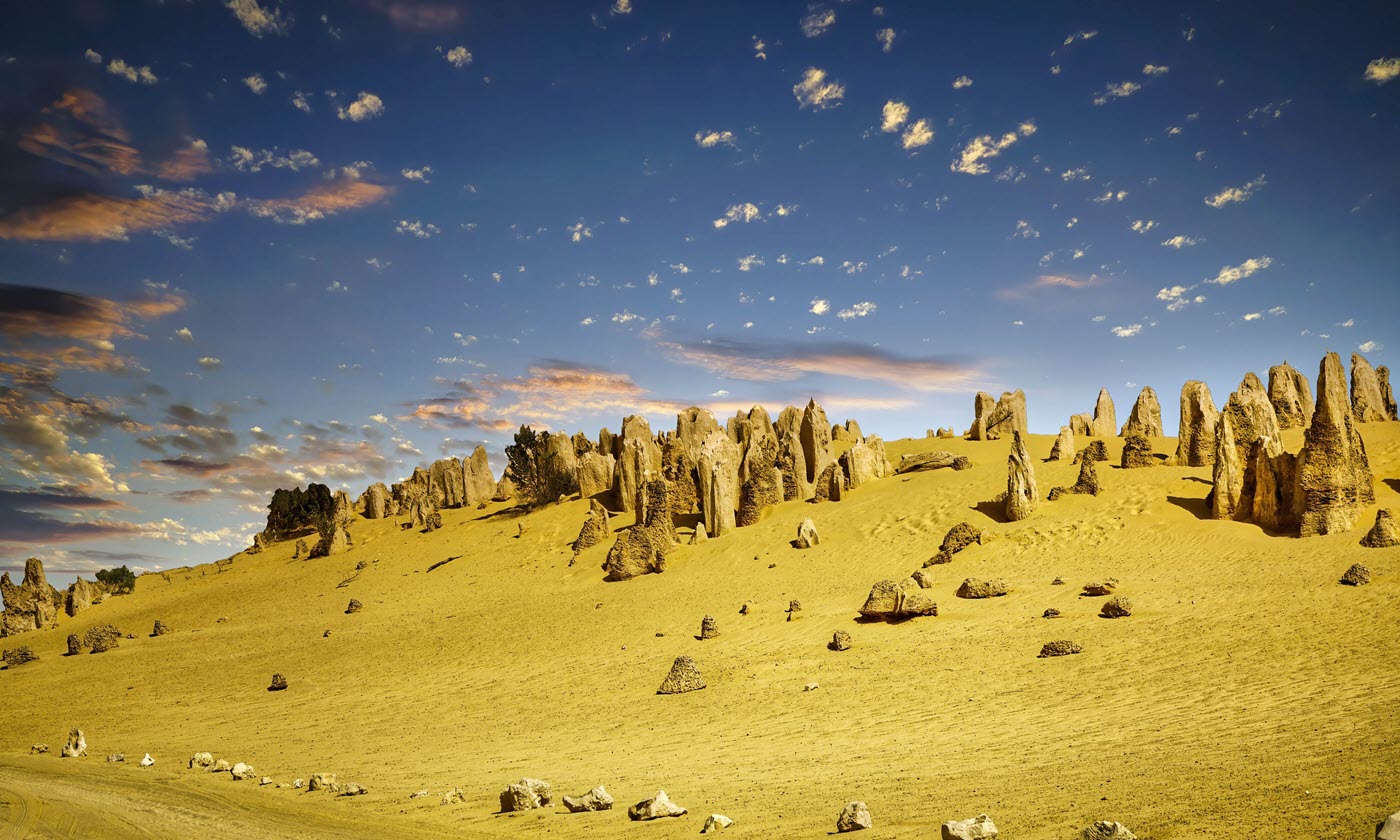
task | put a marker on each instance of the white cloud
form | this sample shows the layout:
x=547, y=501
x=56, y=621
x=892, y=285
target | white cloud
x=337, y=287
x=818, y=22
x=416, y=228
x=1369, y=347
x=131, y=72
x=420, y=175
x=886, y=39
x=625, y=317
x=759, y=49
x=93, y=57
x=255, y=83
x=300, y=102
x=1109, y=196
x=210, y=363
x=1179, y=242
x=747, y=263
x=1231, y=273
x=579, y=232
x=962, y=82
x=1024, y=230
x=1140, y=226
x=185, y=335
x=1383, y=70
x=621, y=7
x=892, y=116
x=1116, y=90
x=459, y=56
x=1128, y=331
x=745, y=213
x=1235, y=195
x=1154, y=70
x=1278, y=310
x=257, y=20
x=366, y=107
x=1080, y=36
x=820, y=306
x=979, y=149
x=918, y=134
x=1078, y=173
x=710, y=139
x=1350, y=322
x=586, y=322
x=859, y=310
x=815, y=92
x=245, y=159
x=1252, y=316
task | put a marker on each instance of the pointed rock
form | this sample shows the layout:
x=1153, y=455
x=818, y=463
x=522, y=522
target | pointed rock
x=854, y=817
x=1146, y=416
x=1384, y=534
x=1291, y=397
x=1105, y=422
x=1387, y=395
x=1227, y=480
x=1021, y=496
x=807, y=534
x=655, y=808
x=1196, y=435
x=1334, y=476
x=1367, y=403
x=597, y=799
x=1063, y=450
x=595, y=528
x=684, y=677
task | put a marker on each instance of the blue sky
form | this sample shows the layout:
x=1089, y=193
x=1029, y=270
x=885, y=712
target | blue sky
x=246, y=244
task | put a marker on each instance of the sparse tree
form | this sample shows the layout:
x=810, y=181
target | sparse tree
x=530, y=468
x=119, y=581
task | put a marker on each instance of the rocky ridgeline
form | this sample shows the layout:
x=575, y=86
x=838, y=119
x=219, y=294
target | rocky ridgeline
x=34, y=604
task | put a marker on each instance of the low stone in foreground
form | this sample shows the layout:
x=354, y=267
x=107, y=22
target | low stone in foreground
x=1061, y=647
x=716, y=823
x=854, y=817
x=1385, y=533
x=655, y=808
x=1108, y=830
x=979, y=827
x=684, y=676
x=597, y=799
x=526, y=795
x=1357, y=575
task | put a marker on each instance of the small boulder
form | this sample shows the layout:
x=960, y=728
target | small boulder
x=1117, y=607
x=279, y=683
x=597, y=799
x=654, y=808
x=1384, y=534
x=1357, y=575
x=242, y=772
x=807, y=534
x=1096, y=450
x=301, y=551
x=1050, y=613
x=1390, y=830
x=716, y=823
x=354, y=607
x=960, y=536
x=351, y=789
x=101, y=638
x=883, y=600
x=979, y=827
x=116, y=757
x=160, y=628
x=76, y=746
x=1061, y=647
x=923, y=579
x=595, y=528
x=1137, y=452
x=201, y=760
x=708, y=628
x=320, y=781
x=455, y=796
x=1108, y=830
x=147, y=761
x=220, y=766
x=1103, y=587
x=840, y=640
x=794, y=610
x=699, y=535
x=684, y=677
x=854, y=817
x=975, y=589
x=38, y=749
x=75, y=645
x=811, y=687
x=16, y=657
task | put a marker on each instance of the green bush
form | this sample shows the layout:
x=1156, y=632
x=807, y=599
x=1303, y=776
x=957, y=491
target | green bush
x=537, y=481
x=296, y=510
x=120, y=581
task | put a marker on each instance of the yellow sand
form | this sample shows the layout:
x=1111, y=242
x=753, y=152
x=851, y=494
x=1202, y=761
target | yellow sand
x=1247, y=690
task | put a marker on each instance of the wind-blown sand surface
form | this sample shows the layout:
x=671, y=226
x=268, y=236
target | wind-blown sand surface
x=1247, y=690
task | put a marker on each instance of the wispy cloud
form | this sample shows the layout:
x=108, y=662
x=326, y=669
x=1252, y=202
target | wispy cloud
x=816, y=92
x=1236, y=195
x=1231, y=273
x=972, y=159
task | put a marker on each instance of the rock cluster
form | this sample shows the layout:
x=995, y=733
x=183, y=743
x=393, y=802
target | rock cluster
x=32, y=605
x=1146, y=416
x=1103, y=423
x=15, y=657
x=684, y=677
x=890, y=601
x=1196, y=435
x=991, y=420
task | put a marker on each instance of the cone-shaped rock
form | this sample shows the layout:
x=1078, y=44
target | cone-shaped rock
x=1334, y=476
x=1146, y=416
x=1367, y=404
x=1387, y=395
x=684, y=677
x=1137, y=452
x=1384, y=534
x=595, y=527
x=1021, y=496
x=1196, y=435
x=1228, y=478
x=1105, y=422
x=1063, y=450
x=1291, y=396
x=982, y=405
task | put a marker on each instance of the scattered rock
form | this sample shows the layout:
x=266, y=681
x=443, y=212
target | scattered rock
x=320, y=781
x=1384, y=534
x=1050, y=613
x=279, y=683
x=38, y=749
x=1146, y=416
x=201, y=760
x=810, y=687
x=1021, y=495
x=887, y=600
x=684, y=677
x=75, y=645
x=80, y=596
x=1062, y=647
x=76, y=746
x=716, y=823
x=116, y=757
x=597, y=799
x=932, y=461
x=1096, y=450
x=298, y=784
x=1088, y=483
x=16, y=657
x=301, y=551
x=1108, y=830
x=354, y=606
x=699, y=535
x=220, y=766
x=265, y=781
x=351, y=789
x=1063, y=449
x=840, y=640
x=160, y=628
x=147, y=761
x=1334, y=476
x=807, y=534
x=1391, y=829
x=1357, y=575
x=960, y=536
x=453, y=797
x=854, y=817
x=979, y=827
x=923, y=579
x=1101, y=587
x=708, y=628
x=595, y=528
x=975, y=589
x=242, y=772
x=654, y=808
x=101, y=638
x=1117, y=607
x=1137, y=452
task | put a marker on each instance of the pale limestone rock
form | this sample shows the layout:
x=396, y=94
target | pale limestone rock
x=1199, y=419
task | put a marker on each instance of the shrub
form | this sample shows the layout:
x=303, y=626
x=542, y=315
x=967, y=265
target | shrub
x=296, y=510
x=119, y=581
x=536, y=479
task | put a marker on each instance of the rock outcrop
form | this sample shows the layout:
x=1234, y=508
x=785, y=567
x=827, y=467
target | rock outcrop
x=718, y=469
x=445, y=483
x=684, y=677
x=102, y=638
x=993, y=420
x=526, y=795
x=1063, y=448
x=1021, y=495
x=1137, y=452
x=595, y=528
x=595, y=474
x=1146, y=416
x=1367, y=403
x=1096, y=450
x=15, y=657
x=642, y=549
x=1227, y=480
x=375, y=502
x=76, y=746
x=807, y=534
x=478, y=487
x=80, y=596
x=1088, y=483
x=764, y=486
x=1291, y=397
x=932, y=461
x=709, y=629
x=815, y=435
x=637, y=454
x=1274, y=474
x=32, y=605
x=1387, y=395
x=1196, y=436
x=1383, y=534
x=1334, y=475
x=1252, y=419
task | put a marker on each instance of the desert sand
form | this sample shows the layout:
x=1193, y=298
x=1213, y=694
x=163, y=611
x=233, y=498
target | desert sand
x=1248, y=695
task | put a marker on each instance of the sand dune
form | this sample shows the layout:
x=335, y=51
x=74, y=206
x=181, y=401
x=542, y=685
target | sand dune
x=1248, y=689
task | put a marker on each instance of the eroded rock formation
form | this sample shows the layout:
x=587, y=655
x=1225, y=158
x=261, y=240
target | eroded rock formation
x=1196, y=435
x=1146, y=416
x=1334, y=475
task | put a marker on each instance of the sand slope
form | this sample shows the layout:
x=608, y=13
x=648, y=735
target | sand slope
x=1248, y=688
